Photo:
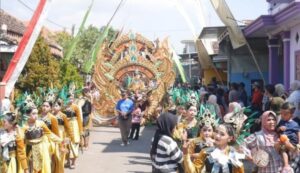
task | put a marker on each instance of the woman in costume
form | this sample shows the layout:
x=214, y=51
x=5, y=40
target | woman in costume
x=12, y=153
x=86, y=110
x=52, y=124
x=266, y=140
x=64, y=130
x=37, y=136
x=219, y=159
x=205, y=139
x=191, y=122
x=48, y=118
x=74, y=117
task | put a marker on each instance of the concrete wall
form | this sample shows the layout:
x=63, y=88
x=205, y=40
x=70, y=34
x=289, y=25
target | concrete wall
x=210, y=73
x=240, y=77
x=241, y=67
x=294, y=48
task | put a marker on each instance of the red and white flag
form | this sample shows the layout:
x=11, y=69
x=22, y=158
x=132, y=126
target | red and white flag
x=25, y=46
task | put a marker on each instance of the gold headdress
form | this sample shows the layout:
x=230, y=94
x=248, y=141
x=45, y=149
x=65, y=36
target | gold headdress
x=208, y=119
x=50, y=96
x=29, y=102
x=236, y=118
x=72, y=88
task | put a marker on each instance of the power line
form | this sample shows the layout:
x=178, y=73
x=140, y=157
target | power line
x=50, y=21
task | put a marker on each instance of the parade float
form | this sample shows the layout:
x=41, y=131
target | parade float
x=132, y=63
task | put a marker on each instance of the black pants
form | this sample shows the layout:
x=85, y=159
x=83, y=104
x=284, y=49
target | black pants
x=135, y=126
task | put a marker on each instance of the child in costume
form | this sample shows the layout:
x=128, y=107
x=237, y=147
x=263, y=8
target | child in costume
x=12, y=153
x=222, y=158
x=65, y=133
x=37, y=136
x=207, y=124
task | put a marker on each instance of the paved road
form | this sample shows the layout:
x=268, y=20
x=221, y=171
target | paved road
x=106, y=155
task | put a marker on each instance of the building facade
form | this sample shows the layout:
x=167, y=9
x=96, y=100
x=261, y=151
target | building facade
x=11, y=32
x=189, y=61
x=281, y=28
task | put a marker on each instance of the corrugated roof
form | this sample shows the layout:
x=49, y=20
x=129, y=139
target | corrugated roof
x=13, y=24
x=16, y=26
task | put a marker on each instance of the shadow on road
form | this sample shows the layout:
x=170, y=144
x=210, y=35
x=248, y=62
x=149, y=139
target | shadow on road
x=139, y=160
x=101, y=131
x=140, y=146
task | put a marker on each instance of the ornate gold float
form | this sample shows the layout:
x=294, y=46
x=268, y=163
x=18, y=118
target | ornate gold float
x=132, y=63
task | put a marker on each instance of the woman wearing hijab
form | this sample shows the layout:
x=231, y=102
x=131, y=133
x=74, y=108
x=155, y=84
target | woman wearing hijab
x=165, y=154
x=266, y=140
x=212, y=99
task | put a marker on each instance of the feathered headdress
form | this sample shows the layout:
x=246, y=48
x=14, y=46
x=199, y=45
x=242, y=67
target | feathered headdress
x=240, y=122
x=183, y=96
x=23, y=103
x=11, y=117
x=236, y=119
x=51, y=95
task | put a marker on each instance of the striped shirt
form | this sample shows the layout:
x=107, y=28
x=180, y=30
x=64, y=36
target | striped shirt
x=168, y=155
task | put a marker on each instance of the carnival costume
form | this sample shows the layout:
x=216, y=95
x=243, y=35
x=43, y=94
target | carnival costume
x=51, y=123
x=199, y=143
x=86, y=110
x=213, y=159
x=75, y=121
x=37, y=139
x=64, y=131
x=12, y=153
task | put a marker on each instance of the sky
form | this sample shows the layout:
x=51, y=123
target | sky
x=152, y=18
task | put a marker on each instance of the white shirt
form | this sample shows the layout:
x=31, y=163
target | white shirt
x=294, y=98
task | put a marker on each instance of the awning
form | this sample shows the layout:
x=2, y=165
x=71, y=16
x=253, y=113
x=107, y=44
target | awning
x=212, y=32
x=273, y=24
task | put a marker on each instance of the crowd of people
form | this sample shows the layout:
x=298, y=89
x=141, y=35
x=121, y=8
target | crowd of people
x=44, y=137
x=210, y=130
x=202, y=129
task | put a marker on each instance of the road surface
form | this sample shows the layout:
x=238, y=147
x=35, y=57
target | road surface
x=106, y=155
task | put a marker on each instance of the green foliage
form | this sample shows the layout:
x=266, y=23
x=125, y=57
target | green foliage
x=87, y=39
x=41, y=69
x=69, y=73
x=63, y=39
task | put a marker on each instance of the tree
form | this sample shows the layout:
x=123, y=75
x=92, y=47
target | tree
x=63, y=38
x=69, y=73
x=41, y=69
x=85, y=45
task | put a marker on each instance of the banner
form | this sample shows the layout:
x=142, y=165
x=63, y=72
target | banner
x=203, y=57
x=25, y=46
x=236, y=36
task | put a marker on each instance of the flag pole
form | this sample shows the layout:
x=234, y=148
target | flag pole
x=25, y=46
